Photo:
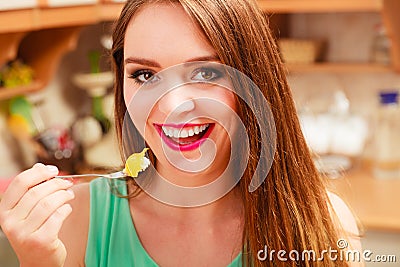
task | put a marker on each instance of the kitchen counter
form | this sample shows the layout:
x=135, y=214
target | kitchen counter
x=374, y=201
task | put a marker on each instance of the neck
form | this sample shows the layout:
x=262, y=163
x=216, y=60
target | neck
x=227, y=207
x=207, y=194
x=187, y=179
x=189, y=189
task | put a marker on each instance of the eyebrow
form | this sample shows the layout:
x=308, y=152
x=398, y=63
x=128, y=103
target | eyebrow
x=204, y=58
x=153, y=63
x=142, y=61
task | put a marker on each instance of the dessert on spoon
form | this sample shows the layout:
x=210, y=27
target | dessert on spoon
x=137, y=162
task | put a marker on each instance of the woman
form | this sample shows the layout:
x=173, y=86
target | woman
x=290, y=210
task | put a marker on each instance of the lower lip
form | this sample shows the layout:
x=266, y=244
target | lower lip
x=192, y=146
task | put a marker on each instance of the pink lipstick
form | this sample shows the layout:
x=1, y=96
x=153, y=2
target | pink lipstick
x=184, y=137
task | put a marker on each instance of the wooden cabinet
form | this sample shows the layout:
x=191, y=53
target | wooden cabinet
x=391, y=18
x=42, y=34
x=386, y=8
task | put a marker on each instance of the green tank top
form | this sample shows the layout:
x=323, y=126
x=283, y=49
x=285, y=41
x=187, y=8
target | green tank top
x=112, y=239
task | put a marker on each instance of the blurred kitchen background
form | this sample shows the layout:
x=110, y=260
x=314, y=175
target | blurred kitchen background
x=343, y=62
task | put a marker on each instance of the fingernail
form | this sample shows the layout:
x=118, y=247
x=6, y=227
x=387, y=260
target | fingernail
x=71, y=192
x=52, y=169
x=38, y=164
x=68, y=181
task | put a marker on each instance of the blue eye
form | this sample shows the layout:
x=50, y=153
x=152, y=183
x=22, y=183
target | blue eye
x=206, y=74
x=142, y=76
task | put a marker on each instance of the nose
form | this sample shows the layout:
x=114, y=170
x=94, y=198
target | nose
x=177, y=102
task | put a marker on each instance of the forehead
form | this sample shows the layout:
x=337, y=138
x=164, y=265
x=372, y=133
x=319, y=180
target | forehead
x=165, y=32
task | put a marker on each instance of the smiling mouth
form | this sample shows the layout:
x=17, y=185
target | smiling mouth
x=184, y=137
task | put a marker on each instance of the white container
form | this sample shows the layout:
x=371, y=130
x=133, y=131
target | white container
x=19, y=4
x=387, y=137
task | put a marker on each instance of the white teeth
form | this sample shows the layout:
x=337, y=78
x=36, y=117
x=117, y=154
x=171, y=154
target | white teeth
x=183, y=133
x=168, y=132
x=176, y=133
x=190, y=132
x=165, y=130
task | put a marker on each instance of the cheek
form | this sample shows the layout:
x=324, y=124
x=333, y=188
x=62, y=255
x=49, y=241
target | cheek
x=135, y=106
x=228, y=98
x=232, y=102
x=128, y=93
x=155, y=116
x=230, y=115
x=127, y=98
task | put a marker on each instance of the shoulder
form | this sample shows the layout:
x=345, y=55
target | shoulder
x=74, y=231
x=344, y=214
x=348, y=223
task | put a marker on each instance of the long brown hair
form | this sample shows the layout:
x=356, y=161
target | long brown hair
x=290, y=210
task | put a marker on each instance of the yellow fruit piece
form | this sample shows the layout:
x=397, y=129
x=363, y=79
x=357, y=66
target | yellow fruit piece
x=136, y=163
x=19, y=126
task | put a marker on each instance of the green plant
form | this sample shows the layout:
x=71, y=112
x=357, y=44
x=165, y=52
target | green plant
x=94, y=60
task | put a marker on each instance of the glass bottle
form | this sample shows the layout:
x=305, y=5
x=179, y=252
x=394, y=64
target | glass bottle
x=380, y=50
x=387, y=137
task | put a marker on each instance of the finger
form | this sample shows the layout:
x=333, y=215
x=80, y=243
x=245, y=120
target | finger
x=51, y=227
x=36, y=193
x=25, y=180
x=45, y=208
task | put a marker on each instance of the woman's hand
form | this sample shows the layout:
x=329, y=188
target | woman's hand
x=32, y=212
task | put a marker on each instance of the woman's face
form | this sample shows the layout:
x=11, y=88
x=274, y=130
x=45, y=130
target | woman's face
x=181, y=116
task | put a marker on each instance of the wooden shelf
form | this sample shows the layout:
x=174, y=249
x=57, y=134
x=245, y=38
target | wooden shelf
x=110, y=11
x=7, y=93
x=55, y=17
x=320, y=6
x=17, y=21
x=41, y=50
x=339, y=68
x=66, y=16
x=40, y=36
